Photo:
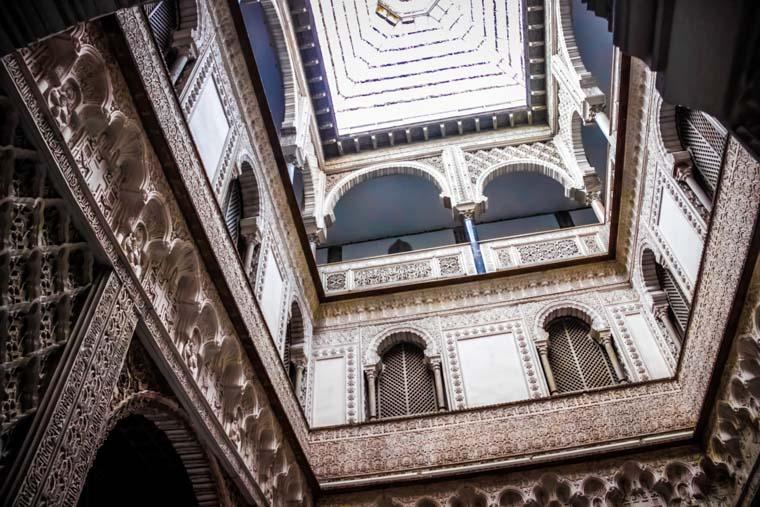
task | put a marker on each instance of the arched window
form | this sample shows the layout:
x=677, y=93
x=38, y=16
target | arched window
x=294, y=342
x=241, y=211
x=173, y=23
x=705, y=139
x=405, y=383
x=662, y=286
x=163, y=18
x=678, y=307
x=233, y=210
x=577, y=361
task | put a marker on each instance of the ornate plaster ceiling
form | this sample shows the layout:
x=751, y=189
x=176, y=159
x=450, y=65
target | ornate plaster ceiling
x=384, y=72
x=392, y=63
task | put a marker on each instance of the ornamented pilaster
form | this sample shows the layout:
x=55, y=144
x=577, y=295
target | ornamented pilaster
x=70, y=430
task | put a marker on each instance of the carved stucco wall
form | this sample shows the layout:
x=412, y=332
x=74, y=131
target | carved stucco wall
x=162, y=283
x=95, y=137
x=676, y=402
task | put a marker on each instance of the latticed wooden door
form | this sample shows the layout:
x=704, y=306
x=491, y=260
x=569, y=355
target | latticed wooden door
x=405, y=385
x=679, y=308
x=578, y=362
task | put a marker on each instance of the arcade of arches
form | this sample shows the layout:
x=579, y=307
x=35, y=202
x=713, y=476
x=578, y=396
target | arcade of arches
x=401, y=254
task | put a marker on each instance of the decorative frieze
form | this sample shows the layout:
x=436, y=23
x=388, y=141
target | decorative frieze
x=397, y=269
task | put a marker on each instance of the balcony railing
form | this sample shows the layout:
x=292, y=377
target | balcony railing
x=457, y=260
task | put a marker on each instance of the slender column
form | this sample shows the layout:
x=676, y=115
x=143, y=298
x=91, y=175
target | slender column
x=371, y=392
x=543, y=352
x=249, y=230
x=472, y=237
x=684, y=172
x=178, y=66
x=594, y=199
x=250, y=247
x=603, y=121
x=605, y=338
x=661, y=314
x=313, y=244
x=438, y=378
x=299, y=378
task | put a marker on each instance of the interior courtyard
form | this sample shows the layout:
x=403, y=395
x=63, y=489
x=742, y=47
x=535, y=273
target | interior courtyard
x=380, y=253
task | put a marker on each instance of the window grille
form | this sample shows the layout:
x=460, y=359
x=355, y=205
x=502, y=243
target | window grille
x=162, y=18
x=705, y=141
x=678, y=307
x=578, y=362
x=287, y=346
x=294, y=335
x=405, y=386
x=233, y=210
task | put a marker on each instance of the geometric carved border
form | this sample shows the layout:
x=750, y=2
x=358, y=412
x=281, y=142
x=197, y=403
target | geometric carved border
x=67, y=441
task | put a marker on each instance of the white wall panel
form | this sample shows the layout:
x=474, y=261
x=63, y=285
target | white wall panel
x=271, y=301
x=329, y=406
x=491, y=370
x=209, y=127
x=680, y=235
x=647, y=346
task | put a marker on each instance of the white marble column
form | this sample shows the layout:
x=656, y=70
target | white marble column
x=543, y=352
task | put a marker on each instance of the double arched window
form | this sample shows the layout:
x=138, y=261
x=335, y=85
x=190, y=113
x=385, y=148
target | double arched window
x=577, y=361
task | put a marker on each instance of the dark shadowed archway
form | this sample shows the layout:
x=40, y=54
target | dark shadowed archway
x=137, y=465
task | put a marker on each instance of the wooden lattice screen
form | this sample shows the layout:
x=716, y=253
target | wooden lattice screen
x=405, y=386
x=577, y=361
x=705, y=142
x=678, y=306
x=232, y=211
x=162, y=18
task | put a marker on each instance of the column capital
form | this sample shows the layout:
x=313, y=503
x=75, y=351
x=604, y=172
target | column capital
x=314, y=237
x=603, y=336
x=590, y=197
x=660, y=311
x=434, y=362
x=466, y=212
x=249, y=229
x=683, y=170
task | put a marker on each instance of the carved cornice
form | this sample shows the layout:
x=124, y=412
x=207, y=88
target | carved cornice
x=675, y=477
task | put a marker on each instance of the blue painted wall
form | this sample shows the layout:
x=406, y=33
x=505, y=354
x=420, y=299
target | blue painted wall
x=266, y=59
x=594, y=43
